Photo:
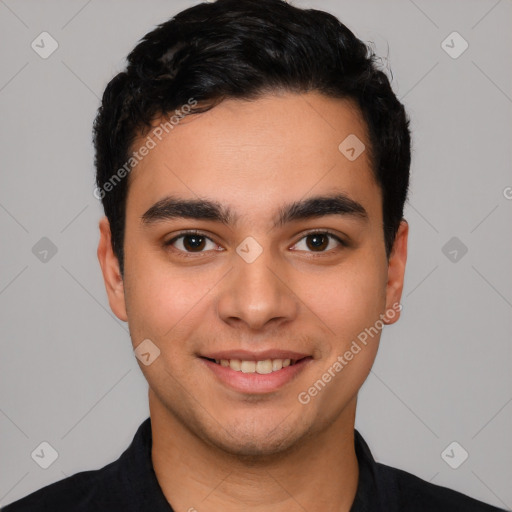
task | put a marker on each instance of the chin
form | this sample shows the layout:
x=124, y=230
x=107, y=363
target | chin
x=255, y=448
x=252, y=441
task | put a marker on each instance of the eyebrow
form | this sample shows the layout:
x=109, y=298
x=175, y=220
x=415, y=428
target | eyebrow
x=172, y=207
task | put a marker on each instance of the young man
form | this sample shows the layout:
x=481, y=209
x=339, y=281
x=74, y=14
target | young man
x=253, y=165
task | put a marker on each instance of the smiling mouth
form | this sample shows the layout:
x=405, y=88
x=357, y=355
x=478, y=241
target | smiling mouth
x=265, y=366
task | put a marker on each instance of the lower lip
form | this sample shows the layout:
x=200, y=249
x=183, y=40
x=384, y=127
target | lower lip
x=257, y=382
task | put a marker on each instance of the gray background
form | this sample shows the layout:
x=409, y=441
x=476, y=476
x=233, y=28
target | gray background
x=68, y=375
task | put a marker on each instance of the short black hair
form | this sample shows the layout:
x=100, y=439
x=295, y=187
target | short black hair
x=244, y=49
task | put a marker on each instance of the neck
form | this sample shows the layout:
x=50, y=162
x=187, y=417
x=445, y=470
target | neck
x=321, y=474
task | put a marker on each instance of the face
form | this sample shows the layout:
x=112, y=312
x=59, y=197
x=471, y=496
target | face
x=251, y=237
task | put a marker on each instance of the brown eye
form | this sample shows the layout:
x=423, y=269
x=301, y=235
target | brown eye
x=319, y=242
x=192, y=243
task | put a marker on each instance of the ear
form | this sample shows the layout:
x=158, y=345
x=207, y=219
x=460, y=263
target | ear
x=396, y=271
x=111, y=272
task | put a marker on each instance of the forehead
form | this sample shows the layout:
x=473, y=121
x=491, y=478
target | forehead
x=255, y=154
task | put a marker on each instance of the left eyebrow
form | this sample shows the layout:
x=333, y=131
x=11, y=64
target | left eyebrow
x=172, y=207
x=319, y=206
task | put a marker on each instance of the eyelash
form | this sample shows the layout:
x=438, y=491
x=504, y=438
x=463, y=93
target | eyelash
x=185, y=254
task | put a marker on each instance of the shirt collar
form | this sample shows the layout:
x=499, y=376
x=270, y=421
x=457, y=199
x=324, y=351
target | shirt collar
x=368, y=495
x=139, y=478
x=138, y=474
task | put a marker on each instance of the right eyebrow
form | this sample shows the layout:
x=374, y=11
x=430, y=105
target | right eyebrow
x=171, y=207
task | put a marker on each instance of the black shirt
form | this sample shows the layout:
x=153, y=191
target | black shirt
x=129, y=484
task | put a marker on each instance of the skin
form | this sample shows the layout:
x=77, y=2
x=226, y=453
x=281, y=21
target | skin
x=214, y=448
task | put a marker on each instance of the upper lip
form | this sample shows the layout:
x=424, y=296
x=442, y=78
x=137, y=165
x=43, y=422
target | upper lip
x=245, y=355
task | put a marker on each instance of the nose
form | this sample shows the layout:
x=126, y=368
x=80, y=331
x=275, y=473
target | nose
x=256, y=295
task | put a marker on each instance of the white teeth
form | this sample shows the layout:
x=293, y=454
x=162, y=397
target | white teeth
x=264, y=366
x=261, y=367
x=277, y=364
x=248, y=366
x=234, y=364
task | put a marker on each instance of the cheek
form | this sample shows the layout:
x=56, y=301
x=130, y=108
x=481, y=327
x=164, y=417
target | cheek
x=165, y=302
x=349, y=302
x=347, y=299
